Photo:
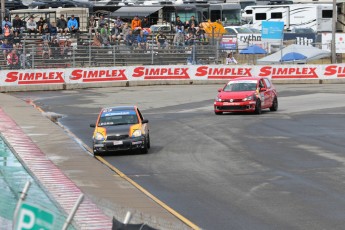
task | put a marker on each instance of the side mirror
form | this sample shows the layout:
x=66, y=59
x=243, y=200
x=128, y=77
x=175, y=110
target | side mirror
x=92, y=125
x=263, y=89
x=145, y=121
x=220, y=90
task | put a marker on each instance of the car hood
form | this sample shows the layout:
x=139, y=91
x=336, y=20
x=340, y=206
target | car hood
x=235, y=95
x=118, y=129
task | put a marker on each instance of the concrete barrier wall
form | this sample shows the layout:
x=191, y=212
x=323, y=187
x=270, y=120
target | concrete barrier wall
x=76, y=78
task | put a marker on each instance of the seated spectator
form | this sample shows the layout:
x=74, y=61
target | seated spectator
x=7, y=32
x=130, y=39
x=192, y=29
x=145, y=23
x=179, y=25
x=190, y=39
x=31, y=26
x=24, y=61
x=66, y=48
x=62, y=25
x=142, y=40
x=97, y=40
x=6, y=48
x=55, y=49
x=161, y=40
x=17, y=38
x=53, y=31
x=46, y=51
x=179, y=39
x=91, y=25
x=18, y=24
x=13, y=60
x=105, y=35
x=72, y=25
x=5, y=22
x=40, y=25
x=101, y=22
x=201, y=34
x=119, y=24
x=115, y=34
x=136, y=25
x=125, y=31
x=46, y=32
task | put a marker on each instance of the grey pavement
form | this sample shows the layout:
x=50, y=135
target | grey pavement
x=110, y=192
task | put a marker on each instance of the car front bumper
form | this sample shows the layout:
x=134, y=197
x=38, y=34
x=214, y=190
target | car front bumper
x=119, y=145
x=245, y=106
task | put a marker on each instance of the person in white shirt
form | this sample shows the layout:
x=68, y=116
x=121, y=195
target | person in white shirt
x=230, y=59
x=31, y=26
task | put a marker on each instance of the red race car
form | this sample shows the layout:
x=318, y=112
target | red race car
x=246, y=94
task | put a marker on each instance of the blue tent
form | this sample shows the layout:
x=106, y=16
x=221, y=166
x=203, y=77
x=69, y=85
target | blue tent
x=293, y=56
x=253, y=49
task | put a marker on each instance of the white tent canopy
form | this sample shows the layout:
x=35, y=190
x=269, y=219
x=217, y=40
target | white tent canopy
x=310, y=52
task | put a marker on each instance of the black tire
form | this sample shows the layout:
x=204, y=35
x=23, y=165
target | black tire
x=218, y=113
x=148, y=142
x=145, y=149
x=274, y=106
x=258, y=107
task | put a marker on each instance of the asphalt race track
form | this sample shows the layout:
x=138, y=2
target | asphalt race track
x=277, y=170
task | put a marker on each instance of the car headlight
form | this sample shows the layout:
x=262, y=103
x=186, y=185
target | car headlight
x=249, y=98
x=99, y=137
x=136, y=133
x=218, y=99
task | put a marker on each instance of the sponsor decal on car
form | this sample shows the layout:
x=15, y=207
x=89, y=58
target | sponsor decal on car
x=288, y=72
x=98, y=75
x=332, y=70
x=161, y=73
x=27, y=78
x=222, y=72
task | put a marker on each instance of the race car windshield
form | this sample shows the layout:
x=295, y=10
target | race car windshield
x=240, y=86
x=118, y=120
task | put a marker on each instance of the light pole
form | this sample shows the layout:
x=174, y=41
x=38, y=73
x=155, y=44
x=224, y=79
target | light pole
x=2, y=16
x=334, y=28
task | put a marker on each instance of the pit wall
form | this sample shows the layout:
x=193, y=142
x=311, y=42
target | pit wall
x=74, y=78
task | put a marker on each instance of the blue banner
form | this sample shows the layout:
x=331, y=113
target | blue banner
x=272, y=30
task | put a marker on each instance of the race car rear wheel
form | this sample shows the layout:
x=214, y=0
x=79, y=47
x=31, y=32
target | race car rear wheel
x=274, y=106
x=258, y=107
x=218, y=113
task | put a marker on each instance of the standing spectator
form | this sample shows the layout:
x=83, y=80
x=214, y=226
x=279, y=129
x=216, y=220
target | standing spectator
x=142, y=40
x=72, y=25
x=161, y=40
x=46, y=32
x=6, y=48
x=17, y=24
x=31, y=26
x=46, y=51
x=5, y=22
x=136, y=25
x=13, y=59
x=101, y=22
x=179, y=25
x=130, y=39
x=145, y=23
x=230, y=59
x=40, y=25
x=91, y=25
x=179, y=40
x=62, y=25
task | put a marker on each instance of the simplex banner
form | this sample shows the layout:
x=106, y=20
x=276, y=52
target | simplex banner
x=147, y=73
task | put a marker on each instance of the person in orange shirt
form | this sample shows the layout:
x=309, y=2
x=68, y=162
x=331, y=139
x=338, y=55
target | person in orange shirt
x=136, y=25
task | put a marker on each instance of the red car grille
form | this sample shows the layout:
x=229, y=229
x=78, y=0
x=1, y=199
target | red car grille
x=233, y=100
x=235, y=107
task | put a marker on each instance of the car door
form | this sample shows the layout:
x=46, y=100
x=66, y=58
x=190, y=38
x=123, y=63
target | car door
x=264, y=94
x=270, y=92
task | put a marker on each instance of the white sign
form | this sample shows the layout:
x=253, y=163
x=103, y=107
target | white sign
x=339, y=42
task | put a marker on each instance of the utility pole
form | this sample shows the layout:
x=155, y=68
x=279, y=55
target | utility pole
x=2, y=16
x=334, y=28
